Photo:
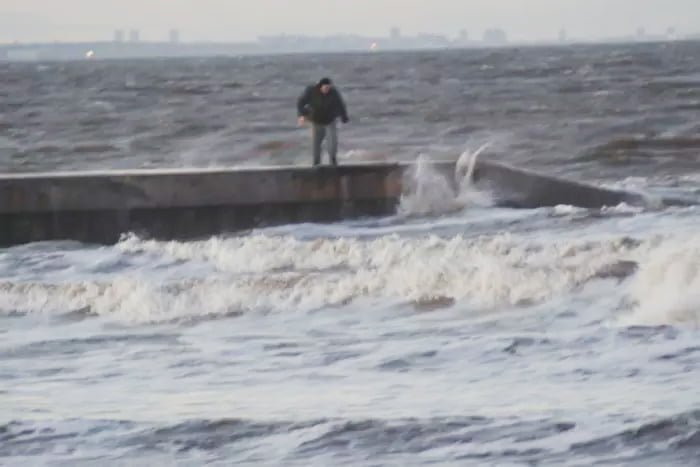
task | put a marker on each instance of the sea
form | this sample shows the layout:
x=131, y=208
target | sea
x=452, y=332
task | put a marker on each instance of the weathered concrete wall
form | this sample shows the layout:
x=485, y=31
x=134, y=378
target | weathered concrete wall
x=194, y=188
x=99, y=207
x=518, y=188
x=525, y=189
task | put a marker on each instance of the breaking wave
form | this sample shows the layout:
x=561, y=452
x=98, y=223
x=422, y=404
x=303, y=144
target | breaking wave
x=265, y=273
x=666, y=289
x=659, y=276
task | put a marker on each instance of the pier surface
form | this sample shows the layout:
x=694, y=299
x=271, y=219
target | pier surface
x=184, y=204
x=98, y=207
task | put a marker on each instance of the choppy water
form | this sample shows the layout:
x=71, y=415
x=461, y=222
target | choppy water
x=452, y=333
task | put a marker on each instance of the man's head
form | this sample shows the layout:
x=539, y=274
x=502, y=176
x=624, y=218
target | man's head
x=325, y=85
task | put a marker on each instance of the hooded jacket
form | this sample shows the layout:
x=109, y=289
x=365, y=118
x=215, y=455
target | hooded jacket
x=320, y=108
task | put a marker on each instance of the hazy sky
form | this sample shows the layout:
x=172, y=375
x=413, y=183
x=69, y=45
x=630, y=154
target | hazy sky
x=44, y=20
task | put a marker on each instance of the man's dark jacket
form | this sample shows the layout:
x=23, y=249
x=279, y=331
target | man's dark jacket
x=320, y=108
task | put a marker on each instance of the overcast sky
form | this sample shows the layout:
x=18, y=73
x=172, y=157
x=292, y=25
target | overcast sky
x=47, y=20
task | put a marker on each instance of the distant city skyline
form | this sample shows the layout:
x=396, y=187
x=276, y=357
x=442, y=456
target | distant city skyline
x=238, y=20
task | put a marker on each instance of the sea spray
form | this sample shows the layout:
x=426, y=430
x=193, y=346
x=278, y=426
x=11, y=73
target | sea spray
x=431, y=192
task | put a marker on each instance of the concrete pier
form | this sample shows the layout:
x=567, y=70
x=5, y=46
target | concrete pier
x=98, y=207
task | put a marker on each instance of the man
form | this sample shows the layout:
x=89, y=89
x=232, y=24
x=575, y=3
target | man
x=322, y=105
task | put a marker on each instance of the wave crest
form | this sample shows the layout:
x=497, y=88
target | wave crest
x=265, y=273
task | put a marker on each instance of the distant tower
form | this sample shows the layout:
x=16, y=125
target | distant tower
x=119, y=35
x=464, y=36
x=495, y=36
x=395, y=34
x=563, y=36
x=671, y=33
x=641, y=33
x=134, y=35
x=174, y=36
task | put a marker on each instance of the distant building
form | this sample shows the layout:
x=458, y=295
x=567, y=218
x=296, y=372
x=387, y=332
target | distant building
x=395, y=34
x=671, y=33
x=134, y=35
x=641, y=33
x=119, y=35
x=174, y=36
x=463, y=36
x=432, y=40
x=563, y=36
x=495, y=36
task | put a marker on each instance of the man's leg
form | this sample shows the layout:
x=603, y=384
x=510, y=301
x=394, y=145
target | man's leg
x=333, y=143
x=318, y=133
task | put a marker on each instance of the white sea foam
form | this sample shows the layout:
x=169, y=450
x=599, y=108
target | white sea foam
x=622, y=208
x=566, y=210
x=666, y=289
x=263, y=273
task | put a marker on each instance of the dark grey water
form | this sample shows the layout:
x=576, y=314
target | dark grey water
x=619, y=108
x=477, y=336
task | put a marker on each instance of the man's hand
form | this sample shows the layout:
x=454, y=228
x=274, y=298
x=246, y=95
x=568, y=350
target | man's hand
x=301, y=121
x=345, y=120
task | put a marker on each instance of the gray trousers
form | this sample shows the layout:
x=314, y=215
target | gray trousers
x=318, y=134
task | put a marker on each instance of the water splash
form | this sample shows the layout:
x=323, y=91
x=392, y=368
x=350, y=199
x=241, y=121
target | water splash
x=466, y=164
x=666, y=289
x=427, y=191
x=468, y=194
x=431, y=192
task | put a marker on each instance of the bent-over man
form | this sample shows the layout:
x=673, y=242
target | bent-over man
x=322, y=104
